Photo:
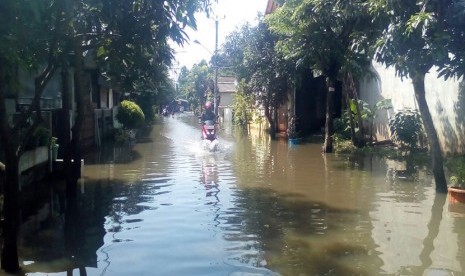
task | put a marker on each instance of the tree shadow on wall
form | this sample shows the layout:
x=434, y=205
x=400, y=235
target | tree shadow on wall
x=380, y=123
x=459, y=108
x=451, y=141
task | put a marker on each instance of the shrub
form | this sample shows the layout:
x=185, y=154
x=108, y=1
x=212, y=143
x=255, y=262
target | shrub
x=341, y=145
x=242, y=107
x=40, y=137
x=341, y=126
x=130, y=115
x=456, y=167
x=406, y=128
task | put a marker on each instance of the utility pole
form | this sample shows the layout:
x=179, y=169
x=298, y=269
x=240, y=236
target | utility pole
x=215, y=92
x=215, y=66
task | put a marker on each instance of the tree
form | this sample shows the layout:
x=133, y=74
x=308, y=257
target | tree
x=39, y=36
x=242, y=106
x=26, y=46
x=331, y=37
x=195, y=84
x=413, y=42
x=266, y=74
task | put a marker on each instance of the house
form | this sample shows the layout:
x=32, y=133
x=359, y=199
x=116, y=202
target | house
x=306, y=100
x=227, y=87
x=100, y=102
x=271, y=6
x=102, y=109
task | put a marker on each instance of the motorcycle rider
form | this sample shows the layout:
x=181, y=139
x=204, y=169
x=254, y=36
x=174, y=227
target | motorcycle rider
x=207, y=114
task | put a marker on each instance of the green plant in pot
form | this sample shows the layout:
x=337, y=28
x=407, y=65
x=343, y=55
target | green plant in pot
x=456, y=168
x=54, y=147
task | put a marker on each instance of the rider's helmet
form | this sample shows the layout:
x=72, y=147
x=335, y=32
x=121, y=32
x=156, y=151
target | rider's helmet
x=208, y=105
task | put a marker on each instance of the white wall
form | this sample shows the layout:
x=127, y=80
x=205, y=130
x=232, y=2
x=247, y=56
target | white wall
x=446, y=104
x=227, y=99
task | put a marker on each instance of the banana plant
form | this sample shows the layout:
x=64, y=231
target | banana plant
x=369, y=112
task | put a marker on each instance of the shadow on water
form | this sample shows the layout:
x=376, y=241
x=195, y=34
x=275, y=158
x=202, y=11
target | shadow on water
x=59, y=236
x=294, y=227
x=56, y=239
x=118, y=154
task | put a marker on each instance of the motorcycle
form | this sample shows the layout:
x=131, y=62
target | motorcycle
x=209, y=130
x=209, y=135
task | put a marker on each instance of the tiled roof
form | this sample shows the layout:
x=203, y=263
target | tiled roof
x=271, y=6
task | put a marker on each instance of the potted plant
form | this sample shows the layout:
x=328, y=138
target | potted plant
x=54, y=148
x=292, y=133
x=456, y=191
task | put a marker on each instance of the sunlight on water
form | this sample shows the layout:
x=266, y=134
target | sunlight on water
x=249, y=206
x=205, y=147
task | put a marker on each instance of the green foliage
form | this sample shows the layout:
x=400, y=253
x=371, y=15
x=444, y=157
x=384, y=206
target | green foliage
x=419, y=35
x=193, y=84
x=40, y=137
x=266, y=74
x=330, y=36
x=242, y=106
x=456, y=167
x=341, y=126
x=146, y=100
x=406, y=128
x=368, y=114
x=53, y=141
x=130, y=115
x=342, y=145
x=122, y=136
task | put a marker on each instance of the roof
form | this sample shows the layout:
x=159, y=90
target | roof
x=271, y=6
x=227, y=84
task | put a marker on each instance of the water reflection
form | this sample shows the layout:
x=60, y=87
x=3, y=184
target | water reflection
x=298, y=237
x=255, y=207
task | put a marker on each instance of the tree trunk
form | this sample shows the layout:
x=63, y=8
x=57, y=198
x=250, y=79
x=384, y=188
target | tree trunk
x=65, y=113
x=75, y=166
x=353, y=135
x=11, y=144
x=274, y=129
x=435, y=149
x=328, y=145
x=9, y=255
x=269, y=117
x=10, y=261
x=353, y=93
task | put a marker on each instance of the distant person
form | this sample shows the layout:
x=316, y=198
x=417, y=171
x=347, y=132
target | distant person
x=208, y=114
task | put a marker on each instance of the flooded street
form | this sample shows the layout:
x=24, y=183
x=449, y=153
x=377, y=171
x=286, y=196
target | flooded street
x=253, y=207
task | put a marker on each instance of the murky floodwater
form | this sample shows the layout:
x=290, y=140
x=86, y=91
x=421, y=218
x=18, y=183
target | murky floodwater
x=254, y=207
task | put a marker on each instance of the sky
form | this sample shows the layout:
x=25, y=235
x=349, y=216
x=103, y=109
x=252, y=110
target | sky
x=231, y=15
